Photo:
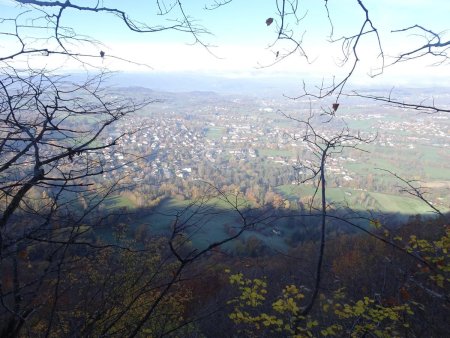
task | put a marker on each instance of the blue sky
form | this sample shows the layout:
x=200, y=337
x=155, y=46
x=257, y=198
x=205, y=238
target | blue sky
x=243, y=39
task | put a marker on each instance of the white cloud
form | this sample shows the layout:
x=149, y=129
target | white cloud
x=180, y=57
x=242, y=61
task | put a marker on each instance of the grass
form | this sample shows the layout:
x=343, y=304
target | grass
x=429, y=162
x=119, y=202
x=384, y=202
x=210, y=223
x=295, y=191
x=359, y=125
x=436, y=173
x=215, y=133
x=401, y=204
x=206, y=227
x=429, y=153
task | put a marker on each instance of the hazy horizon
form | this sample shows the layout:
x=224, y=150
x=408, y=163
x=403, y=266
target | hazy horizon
x=272, y=85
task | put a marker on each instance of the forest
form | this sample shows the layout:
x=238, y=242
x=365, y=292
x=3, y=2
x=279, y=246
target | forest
x=134, y=211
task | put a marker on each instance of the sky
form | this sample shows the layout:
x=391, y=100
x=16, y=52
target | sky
x=241, y=42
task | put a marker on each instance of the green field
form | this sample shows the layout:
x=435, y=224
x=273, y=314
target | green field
x=209, y=223
x=119, y=202
x=207, y=227
x=215, y=133
x=384, y=203
x=425, y=162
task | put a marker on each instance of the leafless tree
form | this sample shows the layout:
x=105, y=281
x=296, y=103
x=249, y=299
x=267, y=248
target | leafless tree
x=289, y=27
x=414, y=188
x=52, y=136
x=193, y=218
x=54, y=130
x=290, y=40
x=291, y=30
x=324, y=142
x=323, y=145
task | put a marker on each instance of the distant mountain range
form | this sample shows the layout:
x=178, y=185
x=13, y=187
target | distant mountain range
x=268, y=86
